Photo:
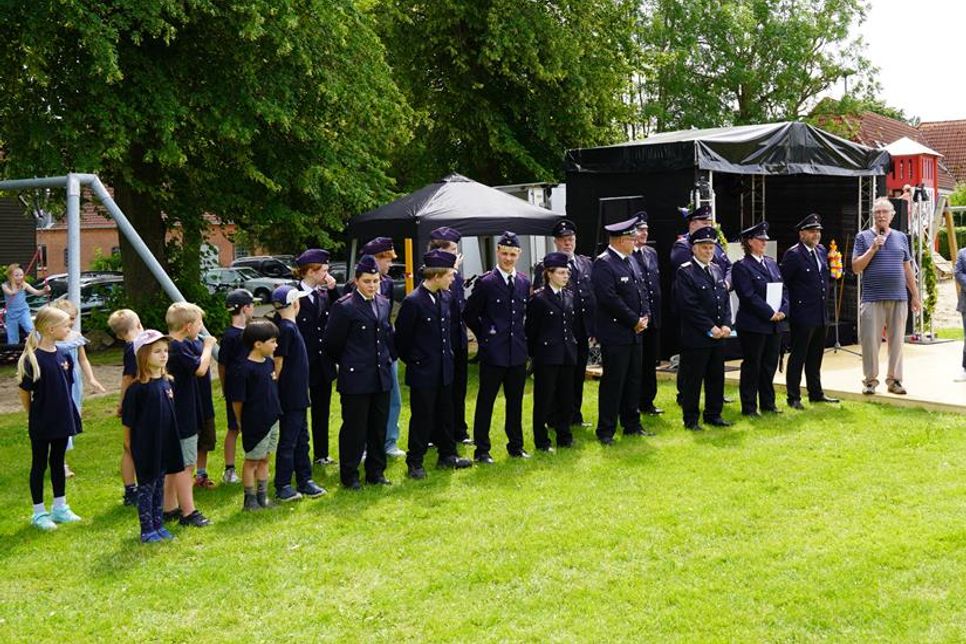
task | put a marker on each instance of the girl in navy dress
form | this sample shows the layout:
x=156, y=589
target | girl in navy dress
x=45, y=375
x=147, y=414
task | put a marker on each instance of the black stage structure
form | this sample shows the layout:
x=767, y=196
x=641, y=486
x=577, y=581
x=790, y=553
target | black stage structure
x=779, y=172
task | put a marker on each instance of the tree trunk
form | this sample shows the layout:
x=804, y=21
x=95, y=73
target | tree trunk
x=139, y=282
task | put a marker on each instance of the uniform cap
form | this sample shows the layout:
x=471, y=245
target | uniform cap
x=509, y=239
x=312, y=256
x=437, y=258
x=564, y=228
x=367, y=264
x=626, y=227
x=758, y=231
x=445, y=233
x=377, y=245
x=556, y=260
x=811, y=222
x=703, y=235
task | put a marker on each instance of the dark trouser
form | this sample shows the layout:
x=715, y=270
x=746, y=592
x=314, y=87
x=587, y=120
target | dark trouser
x=580, y=374
x=620, y=389
x=45, y=451
x=430, y=419
x=513, y=380
x=649, y=353
x=320, y=397
x=552, y=402
x=292, y=453
x=697, y=366
x=460, y=375
x=364, y=418
x=808, y=349
x=760, y=352
x=151, y=504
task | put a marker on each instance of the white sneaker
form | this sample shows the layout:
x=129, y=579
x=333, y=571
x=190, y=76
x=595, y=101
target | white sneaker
x=395, y=452
x=230, y=476
x=960, y=377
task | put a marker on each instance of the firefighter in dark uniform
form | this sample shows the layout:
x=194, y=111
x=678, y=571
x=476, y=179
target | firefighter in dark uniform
x=701, y=298
x=622, y=315
x=424, y=342
x=552, y=346
x=647, y=263
x=585, y=306
x=447, y=239
x=313, y=267
x=759, y=326
x=359, y=338
x=681, y=248
x=805, y=272
x=495, y=312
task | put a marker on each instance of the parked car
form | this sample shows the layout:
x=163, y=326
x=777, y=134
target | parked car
x=97, y=293
x=267, y=265
x=226, y=279
x=58, y=282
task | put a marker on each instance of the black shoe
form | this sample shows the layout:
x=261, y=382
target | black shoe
x=520, y=454
x=454, y=463
x=353, y=485
x=640, y=431
x=752, y=412
x=171, y=515
x=772, y=410
x=824, y=399
x=565, y=444
x=263, y=500
x=130, y=496
x=483, y=457
x=380, y=480
x=718, y=422
x=693, y=427
x=545, y=448
x=796, y=404
x=416, y=472
x=606, y=440
x=579, y=423
x=466, y=441
x=652, y=411
x=196, y=520
x=325, y=460
x=311, y=489
x=250, y=503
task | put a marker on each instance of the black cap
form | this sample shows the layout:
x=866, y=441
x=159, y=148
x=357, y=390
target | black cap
x=509, y=239
x=701, y=212
x=811, y=222
x=556, y=260
x=641, y=219
x=758, y=231
x=367, y=264
x=439, y=259
x=703, y=235
x=238, y=297
x=445, y=233
x=564, y=228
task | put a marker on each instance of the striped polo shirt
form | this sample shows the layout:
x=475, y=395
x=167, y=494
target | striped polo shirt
x=884, y=278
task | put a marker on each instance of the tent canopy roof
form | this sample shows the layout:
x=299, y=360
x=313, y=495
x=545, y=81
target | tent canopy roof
x=774, y=148
x=905, y=147
x=455, y=201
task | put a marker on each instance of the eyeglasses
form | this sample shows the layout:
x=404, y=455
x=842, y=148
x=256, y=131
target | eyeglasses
x=884, y=211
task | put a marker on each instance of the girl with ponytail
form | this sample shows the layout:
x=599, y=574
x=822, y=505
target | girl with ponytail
x=45, y=374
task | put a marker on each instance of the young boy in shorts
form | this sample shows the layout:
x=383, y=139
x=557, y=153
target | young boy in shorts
x=231, y=354
x=257, y=409
x=185, y=366
x=126, y=325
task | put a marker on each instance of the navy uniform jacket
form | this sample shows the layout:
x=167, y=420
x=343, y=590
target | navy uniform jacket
x=702, y=302
x=807, y=285
x=647, y=261
x=681, y=253
x=581, y=285
x=621, y=298
x=550, y=327
x=361, y=344
x=750, y=280
x=495, y=315
x=312, y=318
x=423, y=338
x=457, y=305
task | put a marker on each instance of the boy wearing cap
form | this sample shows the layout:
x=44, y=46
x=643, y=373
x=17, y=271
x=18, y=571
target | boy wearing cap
x=552, y=345
x=495, y=313
x=184, y=322
x=359, y=338
x=759, y=326
x=424, y=342
x=292, y=375
x=806, y=275
x=381, y=249
x=646, y=258
x=312, y=267
x=231, y=352
x=581, y=286
x=447, y=239
x=622, y=315
x=701, y=298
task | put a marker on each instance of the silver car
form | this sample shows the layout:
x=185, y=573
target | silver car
x=226, y=279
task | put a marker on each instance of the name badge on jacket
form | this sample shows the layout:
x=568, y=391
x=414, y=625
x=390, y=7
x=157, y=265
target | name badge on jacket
x=625, y=279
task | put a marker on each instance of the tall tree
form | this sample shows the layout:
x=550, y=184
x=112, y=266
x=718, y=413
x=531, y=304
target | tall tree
x=729, y=62
x=279, y=115
x=501, y=87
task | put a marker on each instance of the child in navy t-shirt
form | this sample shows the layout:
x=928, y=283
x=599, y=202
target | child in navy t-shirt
x=231, y=352
x=126, y=325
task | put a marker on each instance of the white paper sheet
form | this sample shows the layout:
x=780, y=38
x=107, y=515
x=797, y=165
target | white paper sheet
x=773, y=295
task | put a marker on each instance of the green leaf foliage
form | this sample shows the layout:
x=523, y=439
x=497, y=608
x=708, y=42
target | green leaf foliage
x=501, y=87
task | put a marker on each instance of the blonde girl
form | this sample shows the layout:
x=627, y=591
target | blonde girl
x=15, y=290
x=45, y=374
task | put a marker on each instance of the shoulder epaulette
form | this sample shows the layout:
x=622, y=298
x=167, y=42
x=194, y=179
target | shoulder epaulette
x=684, y=265
x=347, y=296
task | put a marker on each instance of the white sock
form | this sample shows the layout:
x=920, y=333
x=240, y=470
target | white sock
x=39, y=508
x=60, y=502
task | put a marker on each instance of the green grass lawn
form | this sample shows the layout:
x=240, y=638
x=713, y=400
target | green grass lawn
x=842, y=523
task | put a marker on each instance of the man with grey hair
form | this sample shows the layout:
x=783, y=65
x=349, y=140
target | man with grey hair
x=881, y=256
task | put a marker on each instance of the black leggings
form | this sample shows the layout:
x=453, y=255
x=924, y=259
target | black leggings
x=43, y=452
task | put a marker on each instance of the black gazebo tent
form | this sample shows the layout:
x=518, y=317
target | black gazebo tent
x=779, y=172
x=455, y=201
